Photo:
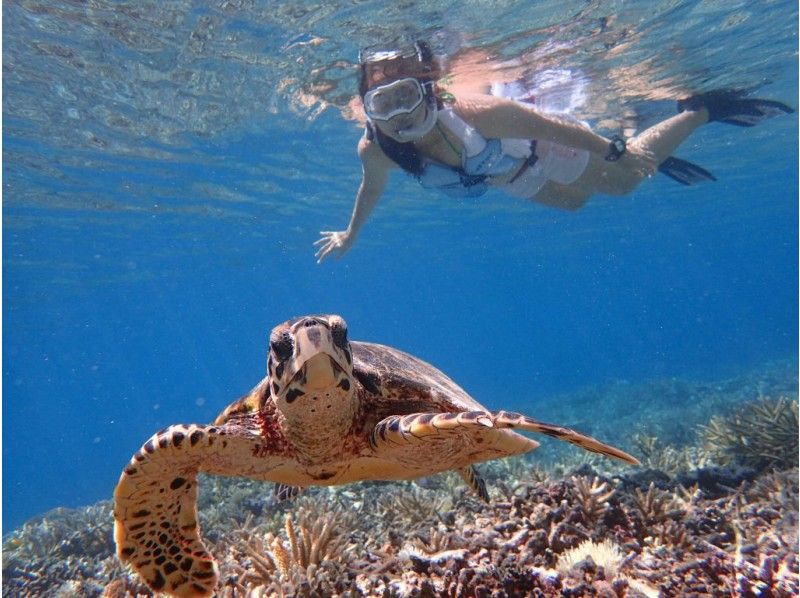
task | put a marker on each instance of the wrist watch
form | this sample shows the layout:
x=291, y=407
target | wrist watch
x=616, y=147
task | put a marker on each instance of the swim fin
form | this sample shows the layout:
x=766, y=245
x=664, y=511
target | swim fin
x=684, y=172
x=730, y=106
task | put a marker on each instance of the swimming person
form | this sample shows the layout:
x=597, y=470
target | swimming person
x=463, y=145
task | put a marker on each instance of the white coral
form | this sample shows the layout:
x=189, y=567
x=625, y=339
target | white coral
x=604, y=554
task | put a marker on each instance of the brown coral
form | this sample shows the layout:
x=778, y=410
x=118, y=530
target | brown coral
x=313, y=555
x=593, y=496
x=762, y=434
x=654, y=454
x=655, y=506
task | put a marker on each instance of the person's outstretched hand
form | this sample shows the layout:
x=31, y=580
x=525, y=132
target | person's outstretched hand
x=339, y=241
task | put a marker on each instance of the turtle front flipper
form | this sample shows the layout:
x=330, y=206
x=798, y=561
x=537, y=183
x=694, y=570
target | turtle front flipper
x=509, y=419
x=155, y=503
x=484, y=431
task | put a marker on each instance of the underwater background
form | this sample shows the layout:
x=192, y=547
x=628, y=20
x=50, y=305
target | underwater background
x=168, y=166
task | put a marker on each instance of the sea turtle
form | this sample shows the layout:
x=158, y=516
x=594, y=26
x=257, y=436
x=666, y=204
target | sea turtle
x=329, y=411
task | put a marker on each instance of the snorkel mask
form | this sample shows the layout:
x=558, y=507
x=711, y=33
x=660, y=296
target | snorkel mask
x=394, y=83
x=402, y=97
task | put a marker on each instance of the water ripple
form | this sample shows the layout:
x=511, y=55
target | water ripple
x=152, y=85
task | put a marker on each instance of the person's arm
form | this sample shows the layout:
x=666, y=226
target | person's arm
x=375, y=167
x=498, y=118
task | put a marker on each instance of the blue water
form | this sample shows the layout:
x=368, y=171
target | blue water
x=164, y=180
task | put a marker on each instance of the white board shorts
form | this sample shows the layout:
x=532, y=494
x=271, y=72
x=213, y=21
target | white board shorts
x=558, y=163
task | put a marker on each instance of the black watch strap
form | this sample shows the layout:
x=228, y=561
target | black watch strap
x=616, y=148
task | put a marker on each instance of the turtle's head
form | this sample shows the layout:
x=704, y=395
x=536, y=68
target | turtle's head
x=311, y=368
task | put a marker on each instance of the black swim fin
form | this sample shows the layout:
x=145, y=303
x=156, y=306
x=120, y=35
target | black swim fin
x=684, y=172
x=731, y=106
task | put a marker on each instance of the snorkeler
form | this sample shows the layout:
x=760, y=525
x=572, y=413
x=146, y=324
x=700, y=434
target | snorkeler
x=464, y=145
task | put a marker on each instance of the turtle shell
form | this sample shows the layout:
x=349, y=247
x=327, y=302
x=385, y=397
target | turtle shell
x=395, y=382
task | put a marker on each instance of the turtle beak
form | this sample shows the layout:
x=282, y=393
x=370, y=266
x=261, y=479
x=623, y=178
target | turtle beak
x=320, y=372
x=315, y=357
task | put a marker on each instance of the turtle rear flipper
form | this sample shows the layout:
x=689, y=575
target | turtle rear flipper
x=155, y=503
x=475, y=481
x=285, y=492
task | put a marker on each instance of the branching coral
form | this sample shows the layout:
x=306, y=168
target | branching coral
x=656, y=455
x=411, y=505
x=437, y=540
x=765, y=559
x=310, y=556
x=660, y=513
x=762, y=434
x=593, y=497
x=508, y=476
x=317, y=539
x=61, y=533
x=654, y=505
x=439, y=546
x=59, y=551
x=668, y=534
x=778, y=488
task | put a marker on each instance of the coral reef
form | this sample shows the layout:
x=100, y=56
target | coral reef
x=714, y=518
x=762, y=434
x=669, y=409
x=654, y=454
x=313, y=556
x=66, y=552
x=604, y=554
x=581, y=536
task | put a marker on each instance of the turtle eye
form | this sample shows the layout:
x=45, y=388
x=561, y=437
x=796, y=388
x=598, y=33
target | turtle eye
x=339, y=336
x=282, y=347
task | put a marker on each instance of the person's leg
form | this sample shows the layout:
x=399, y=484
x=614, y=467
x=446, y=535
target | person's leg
x=601, y=176
x=660, y=140
x=564, y=197
x=663, y=138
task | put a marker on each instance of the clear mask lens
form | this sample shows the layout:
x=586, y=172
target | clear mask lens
x=399, y=97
